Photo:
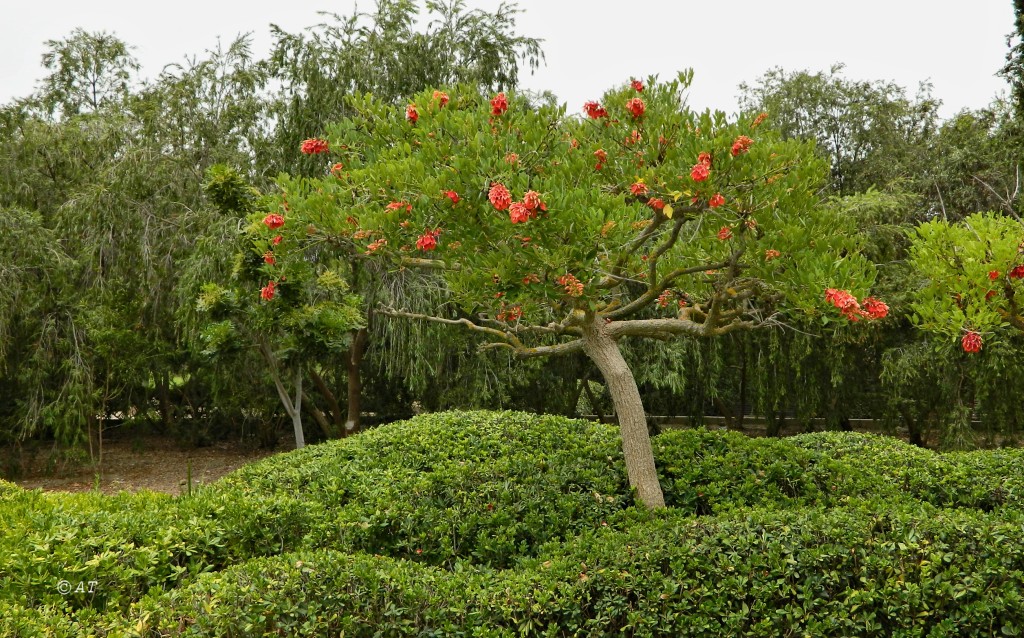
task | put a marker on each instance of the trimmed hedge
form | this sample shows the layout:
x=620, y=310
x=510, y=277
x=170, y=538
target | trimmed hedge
x=485, y=523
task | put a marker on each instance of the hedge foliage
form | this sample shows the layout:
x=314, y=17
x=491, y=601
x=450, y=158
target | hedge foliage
x=482, y=524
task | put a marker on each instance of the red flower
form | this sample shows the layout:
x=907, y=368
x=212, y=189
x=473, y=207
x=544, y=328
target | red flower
x=993, y=274
x=268, y=258
x=741, y=145
x=337, y=169
x=518, y=213
x=427, y=241
x=273, y=221
x=512, y=158
x=724, y=233
x=875, y=308
x=314, y=146
x=267, y=292
x=971, y=342
x=757, y=120
x=532, y=201
x=633, y=138
x=373, y=247
x=771, y=254
x=594, y=110
x=656, y=203
x=512, y=313
x=602, y=157
x=637, y=85
x=500, y=198
x=573, y=286
x=636, y=106
x=452, y=195
x=990, y=294
x=399, y=206
x=700, y=172
x=664, y=298
x=716, y=200
x=411, y=113
x=276, y=240
x=441, y=97
x=499, y=104
x=638, y=188
x=1016, y=273
x=704, y=158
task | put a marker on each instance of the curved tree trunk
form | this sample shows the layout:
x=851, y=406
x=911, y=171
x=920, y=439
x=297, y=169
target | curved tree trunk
x=355, y=382
x=629, y=407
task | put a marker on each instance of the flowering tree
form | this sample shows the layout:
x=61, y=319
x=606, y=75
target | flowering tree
x=559, y=234
x=973, y=275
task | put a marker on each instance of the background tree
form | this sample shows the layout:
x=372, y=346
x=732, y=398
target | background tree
x=88, y=72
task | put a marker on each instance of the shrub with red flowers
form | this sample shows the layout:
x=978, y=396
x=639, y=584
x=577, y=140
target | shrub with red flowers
x=441, y=98
x=428, y=240
x=741, y=145
x=604, y=245
x=963, y=265
x=267, y=292
x=411, y=113
x=637, y=85
x=453, y=196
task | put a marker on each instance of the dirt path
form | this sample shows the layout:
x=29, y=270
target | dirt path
x=152, y=463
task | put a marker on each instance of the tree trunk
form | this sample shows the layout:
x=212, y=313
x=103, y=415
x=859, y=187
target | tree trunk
x=355, y=381
x=164, y=396
x=334, y=409
x=636, y=442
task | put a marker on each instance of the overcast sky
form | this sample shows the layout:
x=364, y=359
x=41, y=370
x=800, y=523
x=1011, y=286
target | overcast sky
x=591, y=46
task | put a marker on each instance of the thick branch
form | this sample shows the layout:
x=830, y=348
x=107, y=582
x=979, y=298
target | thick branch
x=654, y=292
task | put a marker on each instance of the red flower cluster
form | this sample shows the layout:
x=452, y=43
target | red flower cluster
x=1016, y=273
x=771, y=254
x=273, y=221
x=499, y=104
x=337, y=168
x=518, y=213
x=724, y=233
x=637, y=85
x=704, y=158
x=268, y=258
x=399, y=206
x=532, y=278
x=452, y=195
x=971, y=342
x=634, y=138
x=428, y=240
x=638, y=188
x=500, y=198
x=761, y=117
x=716, y=200
x=664, y=298
x=380, y=243
x=441, y=97
x=700, y=172
x=314, y=146
x=636, y=107
x=993, y=274
x=532, y=201
x=594, y=110
x=276, y=240
x=573, y=286
x=741, y=145
x=602, y=157
x=411, y=113
x=267, y=292
x=511, y=313
x=656, y=203
x=512, y=158
x=848, y=306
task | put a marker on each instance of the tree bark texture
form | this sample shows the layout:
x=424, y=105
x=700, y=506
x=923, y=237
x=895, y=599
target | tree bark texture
x=355, y=381
x=599, y=345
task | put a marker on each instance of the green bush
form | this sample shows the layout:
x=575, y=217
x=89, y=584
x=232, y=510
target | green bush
x=499, y=524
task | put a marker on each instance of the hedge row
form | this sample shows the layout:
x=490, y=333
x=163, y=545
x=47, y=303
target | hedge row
x=852, y=571
x=462, y=494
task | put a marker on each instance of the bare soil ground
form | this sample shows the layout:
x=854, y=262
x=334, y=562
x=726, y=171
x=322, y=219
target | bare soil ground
x=150, y=463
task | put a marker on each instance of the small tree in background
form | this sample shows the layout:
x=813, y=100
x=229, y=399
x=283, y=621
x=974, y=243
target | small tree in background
x=557, y=235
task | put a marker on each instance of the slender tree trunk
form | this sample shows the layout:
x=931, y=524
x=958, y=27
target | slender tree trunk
x=319, y=417
x=636, y=442
x=163, y=389
x=293, y=408
x=355, y=381
x=329, y=397
x=593, y=400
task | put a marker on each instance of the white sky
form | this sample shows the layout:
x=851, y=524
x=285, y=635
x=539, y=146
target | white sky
x=593, y=45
